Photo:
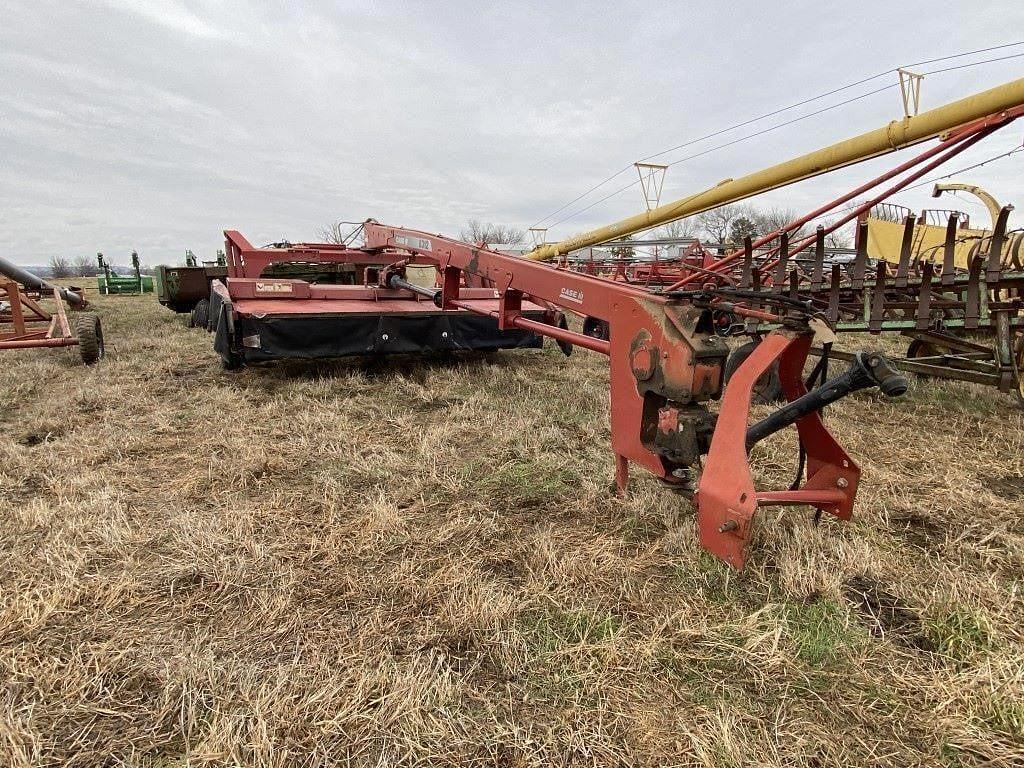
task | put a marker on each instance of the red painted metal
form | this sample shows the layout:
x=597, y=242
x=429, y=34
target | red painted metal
x=727, y=499
x=663, y=369
x=42, y=341
x=972, y=131
x=570, y=337
x=245, y=260
x=666, y=360
x=270, y=317
x=637, y=315
x=963, y=144
x=27, y=325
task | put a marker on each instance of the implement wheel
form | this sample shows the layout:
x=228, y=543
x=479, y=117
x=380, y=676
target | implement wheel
x=90, y=338
x=595, y=328
x=768, y=388
x=919, y=348
x=200, y=317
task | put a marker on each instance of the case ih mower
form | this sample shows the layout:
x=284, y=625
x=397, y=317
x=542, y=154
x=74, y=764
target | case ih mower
x=666, y=356
x=257, y=318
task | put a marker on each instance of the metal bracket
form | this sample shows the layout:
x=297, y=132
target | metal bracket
x=910, y=90
x=652, y=179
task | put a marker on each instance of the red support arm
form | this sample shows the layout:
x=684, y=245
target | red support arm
x=659, y=360
x=245, y=260
x=666, y=363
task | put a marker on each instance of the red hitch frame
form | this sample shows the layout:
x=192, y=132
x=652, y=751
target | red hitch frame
x=666, y=364
x=726, y=498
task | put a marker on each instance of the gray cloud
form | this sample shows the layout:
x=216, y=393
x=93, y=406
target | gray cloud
x=155, y=125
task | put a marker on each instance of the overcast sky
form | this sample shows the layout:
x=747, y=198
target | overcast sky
x=157, y=124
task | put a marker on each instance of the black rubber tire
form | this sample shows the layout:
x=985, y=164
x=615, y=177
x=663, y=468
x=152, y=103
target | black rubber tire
x=90, y=338
x=919, y=348
x=200, y=317
x=595, y=328
x=768, y=388
x=564, y=346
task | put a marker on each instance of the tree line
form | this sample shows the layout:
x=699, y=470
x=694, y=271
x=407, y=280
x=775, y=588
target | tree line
x=726, y=225
x=81, y=266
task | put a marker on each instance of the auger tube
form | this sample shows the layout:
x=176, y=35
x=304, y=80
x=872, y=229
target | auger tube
x=896, y=135
x=29, y=280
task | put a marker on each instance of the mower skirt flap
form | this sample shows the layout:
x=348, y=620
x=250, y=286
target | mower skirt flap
x=254, y=330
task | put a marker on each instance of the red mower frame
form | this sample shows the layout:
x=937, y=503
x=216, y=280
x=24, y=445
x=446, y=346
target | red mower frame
x=666, y=363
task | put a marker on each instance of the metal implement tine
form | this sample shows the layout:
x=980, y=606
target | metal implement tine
x=878, y=299
x=949, y=249
x=746, y=277
x=972, y=311
x=1015, y=261
x=860, y=263
x=905, y=247
x=817, y=272
x=1004, y=350
x=925, y=297
x=995, y=248
x=833, y=295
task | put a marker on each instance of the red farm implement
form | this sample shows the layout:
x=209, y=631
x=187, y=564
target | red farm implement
x=258, y=318
x=26, y=324
x=666, y=354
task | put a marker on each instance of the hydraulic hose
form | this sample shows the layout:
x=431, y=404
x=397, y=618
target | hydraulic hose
x=866, y=370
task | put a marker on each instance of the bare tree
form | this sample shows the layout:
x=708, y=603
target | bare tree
x=478, y=232
x=60, y=267
x=716, y=224
x=774, y=219
x=337, y=232
x=680, y=229
x=841, y=238
x=84, y=266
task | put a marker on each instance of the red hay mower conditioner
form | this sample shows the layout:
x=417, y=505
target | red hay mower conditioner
x=666, y=358
x=257, y=318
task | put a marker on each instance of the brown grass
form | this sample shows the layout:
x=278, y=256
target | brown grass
x=422, y=564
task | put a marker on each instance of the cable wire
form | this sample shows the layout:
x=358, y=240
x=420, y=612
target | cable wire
x=992, y=159
x=847, y=209
x=972, y=64
x=712, y=135
x=773, y=113
x=729, y=144
x=961, y=55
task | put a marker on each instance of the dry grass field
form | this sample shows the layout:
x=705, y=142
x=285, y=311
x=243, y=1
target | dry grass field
x=423, y=564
